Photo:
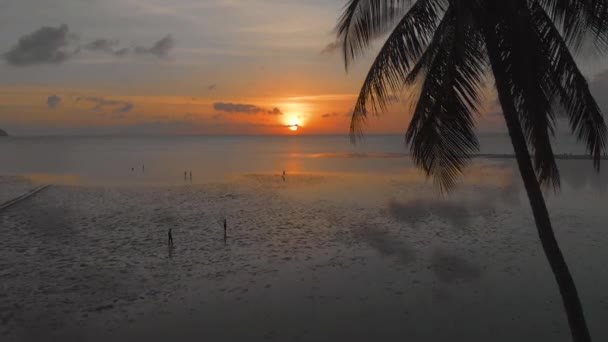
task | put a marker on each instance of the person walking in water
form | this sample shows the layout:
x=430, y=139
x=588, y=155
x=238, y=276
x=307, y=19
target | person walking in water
x=170, y=238
x=190, y=176
x=283, y=175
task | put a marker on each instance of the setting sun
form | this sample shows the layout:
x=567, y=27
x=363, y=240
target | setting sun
x=294, y=127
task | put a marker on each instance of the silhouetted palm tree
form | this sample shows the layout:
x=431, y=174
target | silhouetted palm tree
x=446, y=48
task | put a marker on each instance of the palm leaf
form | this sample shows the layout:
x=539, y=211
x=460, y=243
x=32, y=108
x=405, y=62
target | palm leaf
x=398, y=54
x=586, y=119
x=365, y=20
x=441, y=134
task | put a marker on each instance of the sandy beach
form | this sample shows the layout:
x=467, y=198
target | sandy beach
x=320, y=257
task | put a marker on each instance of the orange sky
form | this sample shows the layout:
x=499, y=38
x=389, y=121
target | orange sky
x=185, y=67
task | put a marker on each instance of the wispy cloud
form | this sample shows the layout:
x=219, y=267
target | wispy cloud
x=160, y=49
x=245, y=109
x=53, y=101
x=337, y=115
x=331, y=47
x=102, y=104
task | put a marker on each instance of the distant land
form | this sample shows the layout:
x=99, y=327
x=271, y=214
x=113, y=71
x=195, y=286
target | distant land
x=565, y=156
x=3, y=133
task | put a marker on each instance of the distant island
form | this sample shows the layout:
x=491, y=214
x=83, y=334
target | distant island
x=3, y=133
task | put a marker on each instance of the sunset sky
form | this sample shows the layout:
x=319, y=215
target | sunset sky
x=188, y=67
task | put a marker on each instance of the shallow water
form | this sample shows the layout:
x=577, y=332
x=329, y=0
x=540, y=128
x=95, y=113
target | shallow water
x=118, y=160
x=322, y=256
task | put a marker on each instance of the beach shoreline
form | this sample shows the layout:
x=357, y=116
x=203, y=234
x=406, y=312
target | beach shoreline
x=92, y=262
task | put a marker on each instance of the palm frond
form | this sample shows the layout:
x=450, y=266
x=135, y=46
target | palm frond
x=397, y=56
x=578, y=20
x=586, y=119
x=365, y=20
x=441, y=134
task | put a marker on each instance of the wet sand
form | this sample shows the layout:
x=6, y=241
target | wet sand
x=317, y=258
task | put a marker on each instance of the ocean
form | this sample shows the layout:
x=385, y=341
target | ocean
x=109, y=159
x=354, y=244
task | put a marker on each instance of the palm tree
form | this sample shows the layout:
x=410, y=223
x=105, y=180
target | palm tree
x=446, y=49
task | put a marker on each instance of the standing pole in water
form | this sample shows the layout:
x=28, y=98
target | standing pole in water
x=225, y=226
x=143, y=168
x=190, y=176
x=170, y=238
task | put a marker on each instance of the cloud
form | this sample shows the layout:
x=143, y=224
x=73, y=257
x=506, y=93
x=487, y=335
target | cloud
x=122, y=52
x=109, y=46
x=55, y=45
x=244, y=109
x=53, y=101
x=160, y=49
x=330, y=115
x=212, y=87
x=118, y=107
x=331, y=47
x=335, y=115
x=275, y=111
x=102, y=44
x=47, y=45
x=127, y=107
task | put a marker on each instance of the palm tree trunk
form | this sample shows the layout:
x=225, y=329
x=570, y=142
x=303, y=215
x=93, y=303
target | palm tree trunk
x=567, y=288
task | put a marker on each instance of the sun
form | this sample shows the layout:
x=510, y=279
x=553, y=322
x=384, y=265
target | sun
x=294, y=123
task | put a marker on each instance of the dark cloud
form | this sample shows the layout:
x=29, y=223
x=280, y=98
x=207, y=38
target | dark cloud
x=109, y=46
x=244, y=109
x=127, y=107
x=122, y=52
x=102, y=44
x=212, y=87
x=236, y=108
x=331, y=47
x=102, y=104
x=160, y=49
x=53, y=101
x=275, y=111
x=47, y=45
x=55, y=45
x=335, y=115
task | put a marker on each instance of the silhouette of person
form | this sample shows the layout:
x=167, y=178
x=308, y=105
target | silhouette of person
x=185, y=174
x=132, y=169
x=190, y=176
x=283, y=175
x=170, y=237
x=143, y=168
